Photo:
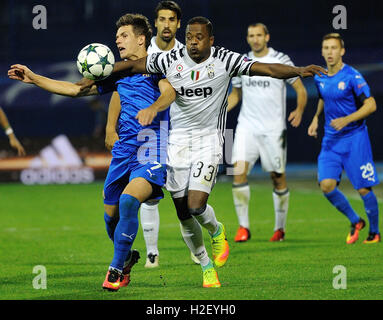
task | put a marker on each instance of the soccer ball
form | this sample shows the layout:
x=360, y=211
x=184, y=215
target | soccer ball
x=95, y=61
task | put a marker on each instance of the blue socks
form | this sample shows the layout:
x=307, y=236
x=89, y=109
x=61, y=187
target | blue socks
x=126, y=230
x=340, y=202
x=372, y=211
x=110, y=225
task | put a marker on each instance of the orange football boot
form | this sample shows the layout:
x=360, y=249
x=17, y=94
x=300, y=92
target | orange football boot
x=279, y=235
x=112, y=280
x=372, y=238
x=353, y=236
x=128, y=265
x=243, y=234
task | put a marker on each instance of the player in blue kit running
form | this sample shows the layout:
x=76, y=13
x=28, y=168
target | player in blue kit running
x=138, y=168
x=346, y=100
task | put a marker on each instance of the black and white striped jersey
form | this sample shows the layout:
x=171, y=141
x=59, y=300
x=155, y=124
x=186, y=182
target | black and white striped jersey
x=202, y=88
x=153, y=48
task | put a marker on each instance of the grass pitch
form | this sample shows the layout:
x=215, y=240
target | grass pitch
x=61, y=227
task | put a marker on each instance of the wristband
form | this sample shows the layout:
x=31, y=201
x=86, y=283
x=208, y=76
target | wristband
x=8, y=131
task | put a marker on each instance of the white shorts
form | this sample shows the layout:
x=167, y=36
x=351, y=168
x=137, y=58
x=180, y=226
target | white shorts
x=191, y=167
x=271, y=148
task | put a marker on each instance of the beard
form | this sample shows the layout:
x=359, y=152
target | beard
x=259, y=48
x=168, y=37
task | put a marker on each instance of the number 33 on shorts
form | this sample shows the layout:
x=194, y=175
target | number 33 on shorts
x=204, y=173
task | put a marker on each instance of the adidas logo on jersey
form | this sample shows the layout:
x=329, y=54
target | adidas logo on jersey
x=258, y=83
x=199, y=92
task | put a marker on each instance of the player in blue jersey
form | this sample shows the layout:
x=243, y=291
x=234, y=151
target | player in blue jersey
x=167, y=21
x=346, y=100
x=138, y=168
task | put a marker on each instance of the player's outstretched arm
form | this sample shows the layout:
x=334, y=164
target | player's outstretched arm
x=124, y=67
x=284, y=71
x=234, y=97
x=65, y=88
x=111, y=135
x=295, y=116
x=13, y=141
x=313, y=128
x=131, y=66
x=168, y=95
x=368, y=107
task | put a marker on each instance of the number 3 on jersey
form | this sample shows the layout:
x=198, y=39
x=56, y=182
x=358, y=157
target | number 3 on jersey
x=209, y=174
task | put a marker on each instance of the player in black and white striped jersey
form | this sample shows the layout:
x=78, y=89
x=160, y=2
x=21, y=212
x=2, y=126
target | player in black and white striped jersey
x=261, y=131
x=201, y=74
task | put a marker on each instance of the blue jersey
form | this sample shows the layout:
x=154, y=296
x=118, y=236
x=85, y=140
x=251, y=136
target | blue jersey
x=138, y=92
x=343, y=93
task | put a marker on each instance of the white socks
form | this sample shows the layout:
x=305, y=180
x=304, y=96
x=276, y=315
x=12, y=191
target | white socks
x=191, y=230
x=150, y=221
x=192, y=233
x=208, y=220
x=241, y=196
x=281, y=206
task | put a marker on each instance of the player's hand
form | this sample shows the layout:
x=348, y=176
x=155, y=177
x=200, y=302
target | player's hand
x=110, y=139
x=146, y=116
x=313, y=128
x=295, y=118
x=85, y=83
x=311, y=70
x=21, y=73
x=339, y=123
x=15, y=143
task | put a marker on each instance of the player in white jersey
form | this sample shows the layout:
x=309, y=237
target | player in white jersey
x=261, y=131
x=201, y=74
x=167, y=22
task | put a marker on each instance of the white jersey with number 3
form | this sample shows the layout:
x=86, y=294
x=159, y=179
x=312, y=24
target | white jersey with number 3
x=202, y=90
x=263, y=107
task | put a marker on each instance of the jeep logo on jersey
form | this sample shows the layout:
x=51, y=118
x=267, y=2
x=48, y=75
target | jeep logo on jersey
x=258, y=83
x=198, y=92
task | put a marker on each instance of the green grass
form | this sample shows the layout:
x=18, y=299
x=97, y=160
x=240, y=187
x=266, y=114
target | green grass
x=62, y=228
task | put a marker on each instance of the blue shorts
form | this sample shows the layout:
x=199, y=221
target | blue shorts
x=123, y=170
x=353, y=154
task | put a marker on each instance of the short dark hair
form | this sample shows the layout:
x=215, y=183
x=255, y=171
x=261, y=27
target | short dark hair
x=141, y=25
x=202, y=20
x=260, y=24
x=169, y=5
x=334, y=36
